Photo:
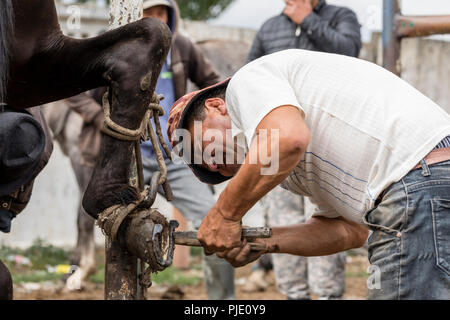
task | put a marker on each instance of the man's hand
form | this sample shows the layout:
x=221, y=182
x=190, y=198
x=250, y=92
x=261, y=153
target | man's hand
x=221, y=229
x=319, y=236
x=298, y=10
x=240, y=256
x=218, y=233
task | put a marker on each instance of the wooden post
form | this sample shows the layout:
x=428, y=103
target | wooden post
x=121, y=267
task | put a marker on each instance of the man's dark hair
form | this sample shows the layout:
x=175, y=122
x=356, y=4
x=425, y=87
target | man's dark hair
x=197, y=109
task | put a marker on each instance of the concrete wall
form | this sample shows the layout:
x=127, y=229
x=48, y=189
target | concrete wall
x=426, y=65
x=51, y=214
x=82, y=21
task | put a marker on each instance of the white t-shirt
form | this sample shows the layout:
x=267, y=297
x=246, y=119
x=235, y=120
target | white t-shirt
x=368, y=127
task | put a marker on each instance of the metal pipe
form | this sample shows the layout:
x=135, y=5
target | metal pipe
x=397, y=26
x=421, y=26
x=189, y=238
x=390, y=40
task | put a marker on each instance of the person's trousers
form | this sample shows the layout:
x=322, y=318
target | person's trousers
x=296, y=275
x=194, y=199
x=409, y=249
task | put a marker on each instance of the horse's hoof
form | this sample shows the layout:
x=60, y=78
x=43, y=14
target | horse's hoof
x=75, y=281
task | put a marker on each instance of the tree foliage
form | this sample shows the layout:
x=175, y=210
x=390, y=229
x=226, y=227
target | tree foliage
x=202, y=9
x=198, y=9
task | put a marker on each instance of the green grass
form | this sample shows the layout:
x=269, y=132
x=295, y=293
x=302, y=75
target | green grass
x=360, y=274
x=99, y=276
x=42, y=255
x=175, y=276
x=196, y=251
x=171, y=276
x=38, y=276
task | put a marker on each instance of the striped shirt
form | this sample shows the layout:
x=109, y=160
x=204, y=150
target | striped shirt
x=445, y=143
x=369, y=128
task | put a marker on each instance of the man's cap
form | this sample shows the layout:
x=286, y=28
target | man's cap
x=178, y=112
x=22, y=142
x=153, y=3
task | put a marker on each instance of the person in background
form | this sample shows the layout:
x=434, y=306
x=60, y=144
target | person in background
x=23, y=157
x=318, y=26
x=192, y=198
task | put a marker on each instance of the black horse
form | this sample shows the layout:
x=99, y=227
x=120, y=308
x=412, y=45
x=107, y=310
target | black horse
x=38, y=64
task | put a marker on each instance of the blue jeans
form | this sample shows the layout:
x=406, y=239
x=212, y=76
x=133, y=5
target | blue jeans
x=410, y=244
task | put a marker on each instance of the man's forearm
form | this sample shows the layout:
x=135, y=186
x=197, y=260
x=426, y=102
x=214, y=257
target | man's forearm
x=253, y=181
x=319, y=236
x=249, y=185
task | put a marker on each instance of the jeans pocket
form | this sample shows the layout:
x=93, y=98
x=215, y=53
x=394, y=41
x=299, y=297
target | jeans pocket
x=440, y=210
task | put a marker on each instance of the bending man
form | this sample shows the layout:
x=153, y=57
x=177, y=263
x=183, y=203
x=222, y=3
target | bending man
x=370, y=150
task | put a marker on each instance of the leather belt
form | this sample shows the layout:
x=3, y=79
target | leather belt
x=435, y=156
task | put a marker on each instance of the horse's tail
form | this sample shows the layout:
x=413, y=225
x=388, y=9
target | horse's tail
x=6, y=35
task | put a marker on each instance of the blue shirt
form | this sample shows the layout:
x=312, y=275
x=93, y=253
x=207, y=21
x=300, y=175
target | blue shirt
x=165, y=87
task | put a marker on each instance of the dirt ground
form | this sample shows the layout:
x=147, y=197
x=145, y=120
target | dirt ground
x=355, y=288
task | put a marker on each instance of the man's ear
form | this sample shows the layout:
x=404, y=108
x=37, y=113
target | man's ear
x=216, y=104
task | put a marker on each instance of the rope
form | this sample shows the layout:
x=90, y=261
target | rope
x=119, y=131
x=112, y=218
x=145, y=133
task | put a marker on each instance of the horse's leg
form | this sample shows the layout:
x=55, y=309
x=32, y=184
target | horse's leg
x=60, y=67
x=128, y=60
x=85, y=249
x=86, y=235
x=132, y=76
x=69, y=141
x=6, y=284
x=58, y=115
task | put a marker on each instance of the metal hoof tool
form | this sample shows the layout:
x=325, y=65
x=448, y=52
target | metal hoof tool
x=163, y=245
x=150, y=238
x=189, y=238
x=153, y=191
